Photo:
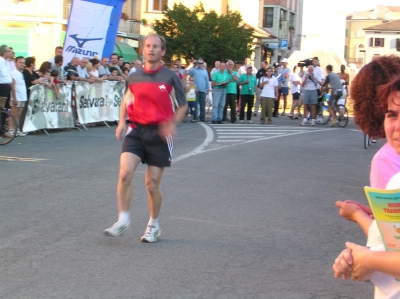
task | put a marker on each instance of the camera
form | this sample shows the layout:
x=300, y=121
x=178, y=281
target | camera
x=306, y=62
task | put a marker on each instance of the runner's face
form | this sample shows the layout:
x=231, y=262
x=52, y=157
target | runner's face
x=152, y=49
x=392, y=122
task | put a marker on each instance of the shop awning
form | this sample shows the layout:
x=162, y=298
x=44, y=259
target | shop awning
x=126, y=51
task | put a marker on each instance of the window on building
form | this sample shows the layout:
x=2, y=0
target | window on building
x=376, y=42
x=345, y=52
x=398, y=44
x=268, y=17
x=157, y=5
x=291, y=20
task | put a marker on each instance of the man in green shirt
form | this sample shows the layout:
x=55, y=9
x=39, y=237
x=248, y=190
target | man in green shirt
x=248, y=82
x=231, y=88
x=219, y=83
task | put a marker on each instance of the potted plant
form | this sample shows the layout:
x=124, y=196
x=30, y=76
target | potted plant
x=144, y=22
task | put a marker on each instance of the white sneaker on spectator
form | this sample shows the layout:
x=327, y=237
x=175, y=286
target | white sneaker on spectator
x=151, y=234
x=117, y=229
x=319, y=120
x=313, y=122
x=20, y=134
x=304, y=123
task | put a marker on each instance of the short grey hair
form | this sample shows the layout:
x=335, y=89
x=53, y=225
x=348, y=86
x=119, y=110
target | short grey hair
x=3, y=49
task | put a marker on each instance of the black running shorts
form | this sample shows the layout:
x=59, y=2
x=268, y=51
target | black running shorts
x=145, y=142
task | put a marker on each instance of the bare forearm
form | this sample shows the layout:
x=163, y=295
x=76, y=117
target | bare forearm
x=180, y=113
x=385, y=262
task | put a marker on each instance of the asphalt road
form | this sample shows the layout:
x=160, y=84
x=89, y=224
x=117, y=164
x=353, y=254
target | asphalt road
x=248, y=212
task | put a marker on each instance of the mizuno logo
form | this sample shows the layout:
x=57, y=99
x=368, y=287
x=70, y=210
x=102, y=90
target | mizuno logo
x=82, y=41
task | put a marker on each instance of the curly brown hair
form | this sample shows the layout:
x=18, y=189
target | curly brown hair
x=369, y=107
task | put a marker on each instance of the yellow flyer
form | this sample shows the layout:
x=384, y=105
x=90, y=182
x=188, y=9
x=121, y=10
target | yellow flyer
x=385, y=205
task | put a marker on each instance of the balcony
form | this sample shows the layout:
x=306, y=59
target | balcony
x=130, y=27
x=67, y=11
x=355, y=60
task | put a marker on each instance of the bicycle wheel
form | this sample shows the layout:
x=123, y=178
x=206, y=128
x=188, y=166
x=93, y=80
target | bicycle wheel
x=366, y=141
x=9, y=119
x=325, y=117
x=342, y=116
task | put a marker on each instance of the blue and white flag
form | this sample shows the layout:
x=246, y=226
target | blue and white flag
x=92, y=28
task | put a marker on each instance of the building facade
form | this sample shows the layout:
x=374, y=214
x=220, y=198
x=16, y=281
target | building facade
x=355, y=35
x=382, y=39
x=33, y=27
x=279, y=18
x=140, y=16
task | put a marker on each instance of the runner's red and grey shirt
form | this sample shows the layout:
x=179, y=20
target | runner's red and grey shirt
x=156, y=95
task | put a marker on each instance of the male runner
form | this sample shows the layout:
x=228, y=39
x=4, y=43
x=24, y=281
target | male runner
x=154, y=102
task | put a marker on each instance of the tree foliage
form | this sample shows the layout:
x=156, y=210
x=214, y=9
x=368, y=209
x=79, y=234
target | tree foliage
x=197, y=33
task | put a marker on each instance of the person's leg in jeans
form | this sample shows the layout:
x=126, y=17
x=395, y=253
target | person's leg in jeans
x=227, y=102
x=221, y=105
x=250, y=101
x=201, y=99
x=217, y=93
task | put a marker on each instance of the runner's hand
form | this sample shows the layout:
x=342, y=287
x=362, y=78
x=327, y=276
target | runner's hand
x=168, y=128
x=121, y=131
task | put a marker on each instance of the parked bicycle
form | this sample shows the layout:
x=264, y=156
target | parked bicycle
x=10, y=121
x=368, y=141
x=340, y=109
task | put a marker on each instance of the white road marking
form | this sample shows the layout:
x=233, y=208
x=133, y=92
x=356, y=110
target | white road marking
x=199, y=149
x=210, y=136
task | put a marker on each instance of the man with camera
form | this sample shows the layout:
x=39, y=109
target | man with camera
x=310, y=85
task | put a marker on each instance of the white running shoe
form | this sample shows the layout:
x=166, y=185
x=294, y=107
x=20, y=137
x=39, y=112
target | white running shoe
x=117, y=229
x=20, y=134
x=151, y=234
x=313, y=122
x=319, y=120
x=304, y=123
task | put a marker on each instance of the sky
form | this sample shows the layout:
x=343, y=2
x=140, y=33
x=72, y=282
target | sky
x=361, y=5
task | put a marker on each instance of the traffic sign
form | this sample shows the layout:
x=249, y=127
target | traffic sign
x=283, y=43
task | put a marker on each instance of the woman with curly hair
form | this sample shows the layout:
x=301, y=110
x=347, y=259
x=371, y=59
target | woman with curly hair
x=376, y=94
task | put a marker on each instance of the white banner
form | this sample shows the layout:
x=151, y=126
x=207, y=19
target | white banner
x=92, y=28
x=47, y=112
x=99, y=101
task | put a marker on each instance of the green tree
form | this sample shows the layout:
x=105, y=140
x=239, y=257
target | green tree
x=197, y=33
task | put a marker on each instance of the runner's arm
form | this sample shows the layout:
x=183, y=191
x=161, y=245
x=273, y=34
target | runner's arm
x=121, y=129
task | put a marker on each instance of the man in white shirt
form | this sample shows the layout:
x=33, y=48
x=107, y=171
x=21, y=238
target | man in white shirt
x=311, y=82
x=216, y=68
x=317, y=70
x=19, y=95
x=295, y=84
x=5, y=82
x=10, y=60
x=82, y=71
x=136, y=65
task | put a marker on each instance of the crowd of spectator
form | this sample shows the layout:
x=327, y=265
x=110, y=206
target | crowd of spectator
x=238, y=85
x=18, y=74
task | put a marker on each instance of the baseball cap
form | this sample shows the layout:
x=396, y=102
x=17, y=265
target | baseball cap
x=285, y=60
x=249, y=66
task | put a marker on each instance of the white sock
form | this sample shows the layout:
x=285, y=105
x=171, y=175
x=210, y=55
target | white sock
x=153, y=222
x=305, y=119
x=124, y=217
